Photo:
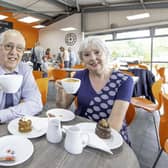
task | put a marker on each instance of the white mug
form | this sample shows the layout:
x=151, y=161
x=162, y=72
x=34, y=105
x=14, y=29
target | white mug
x=75, y=141
x=54, y=132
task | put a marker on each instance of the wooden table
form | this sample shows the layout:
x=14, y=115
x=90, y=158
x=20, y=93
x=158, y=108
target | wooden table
x=47, y=155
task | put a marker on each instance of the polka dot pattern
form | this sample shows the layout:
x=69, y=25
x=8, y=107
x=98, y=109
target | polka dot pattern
x=104, y=96
x=106, y=88
x=112, y=85
x=101, y=104
x=96, y=108
x=97, y=99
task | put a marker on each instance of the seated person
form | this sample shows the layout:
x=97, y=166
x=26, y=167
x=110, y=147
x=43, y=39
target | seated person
x=44, y=66
x=27, y=100
x=103, y=93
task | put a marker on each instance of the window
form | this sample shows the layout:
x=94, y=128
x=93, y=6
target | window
x=133, y=34
x=128, y=50
x=161, y=31
x=160, y=49
x=104, y=37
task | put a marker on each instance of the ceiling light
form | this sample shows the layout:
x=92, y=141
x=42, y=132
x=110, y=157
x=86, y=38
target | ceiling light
x=68, y=29
x=28, y=19
x=38, y=26
x=3, y=17
x=138, y=16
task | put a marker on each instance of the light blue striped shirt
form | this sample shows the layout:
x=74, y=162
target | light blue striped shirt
x=29, y=94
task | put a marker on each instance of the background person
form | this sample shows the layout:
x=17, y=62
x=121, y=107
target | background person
x=103, y=93
x=27, y=100
x=48, y=54
x=72, y=57
x=39, y=53
x=65, y=57
x=44, y=66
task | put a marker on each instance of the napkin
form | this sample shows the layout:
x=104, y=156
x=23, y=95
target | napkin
x=98, y=143
x=94, y=140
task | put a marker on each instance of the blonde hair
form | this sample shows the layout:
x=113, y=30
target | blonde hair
x=93, y=43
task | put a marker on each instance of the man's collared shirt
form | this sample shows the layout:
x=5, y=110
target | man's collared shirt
x=27, y=100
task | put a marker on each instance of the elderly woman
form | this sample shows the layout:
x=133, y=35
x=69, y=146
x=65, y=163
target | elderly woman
x=104, y=93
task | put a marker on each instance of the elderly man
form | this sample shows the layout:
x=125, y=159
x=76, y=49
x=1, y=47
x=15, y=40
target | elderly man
x=27, y=100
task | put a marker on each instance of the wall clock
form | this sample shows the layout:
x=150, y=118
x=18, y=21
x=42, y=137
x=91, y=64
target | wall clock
x=70, y=39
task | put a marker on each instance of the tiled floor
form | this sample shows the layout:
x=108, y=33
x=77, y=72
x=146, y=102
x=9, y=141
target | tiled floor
x=141, y=132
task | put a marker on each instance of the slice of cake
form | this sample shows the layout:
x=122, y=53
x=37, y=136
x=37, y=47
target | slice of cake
x=103, y=129
x=24, y=125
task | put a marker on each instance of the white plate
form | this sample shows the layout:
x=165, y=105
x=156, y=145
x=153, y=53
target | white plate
x=39, y=127
x=62, y=114
x=22, y=147
x=114, y=142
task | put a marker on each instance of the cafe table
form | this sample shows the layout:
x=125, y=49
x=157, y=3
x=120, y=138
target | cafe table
x=48, y=155
x=70, y=70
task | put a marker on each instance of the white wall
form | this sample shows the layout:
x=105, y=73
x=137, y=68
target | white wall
x=52, y=37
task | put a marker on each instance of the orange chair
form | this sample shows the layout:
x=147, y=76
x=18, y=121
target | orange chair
x=148, y=105
x=130, y=114
x=127, y=72
x=50, y=74
x=161, y=72
x=59, y=74
x=163, y=129
x=42, y=84
x=142, y=66
x=78, y=66
x=37, y=74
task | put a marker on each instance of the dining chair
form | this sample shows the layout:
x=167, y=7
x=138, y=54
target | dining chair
x=148, y=105
x=127, y=72
x=59, y=74
x=142, y=66
x=163, y=129
x=42, y=84
x=50, y=74
x=37, y=74
x=130, y=114
x=161, y=72
x=78, y=66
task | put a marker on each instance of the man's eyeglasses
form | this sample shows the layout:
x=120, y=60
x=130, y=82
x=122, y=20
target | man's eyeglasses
x=9, y=47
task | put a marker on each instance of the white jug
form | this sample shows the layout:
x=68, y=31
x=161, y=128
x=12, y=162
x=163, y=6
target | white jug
x=75, y=141
x=54, y=132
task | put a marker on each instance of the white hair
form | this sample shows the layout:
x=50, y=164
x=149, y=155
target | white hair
x=93, y=43
x=4, y=34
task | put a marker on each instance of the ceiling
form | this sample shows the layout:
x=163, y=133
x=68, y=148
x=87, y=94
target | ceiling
x=50, y=11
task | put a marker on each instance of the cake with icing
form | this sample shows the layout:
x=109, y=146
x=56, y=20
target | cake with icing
x=24, y=125
x=103, y=129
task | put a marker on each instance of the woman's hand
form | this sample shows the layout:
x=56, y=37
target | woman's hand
x=63, y=100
